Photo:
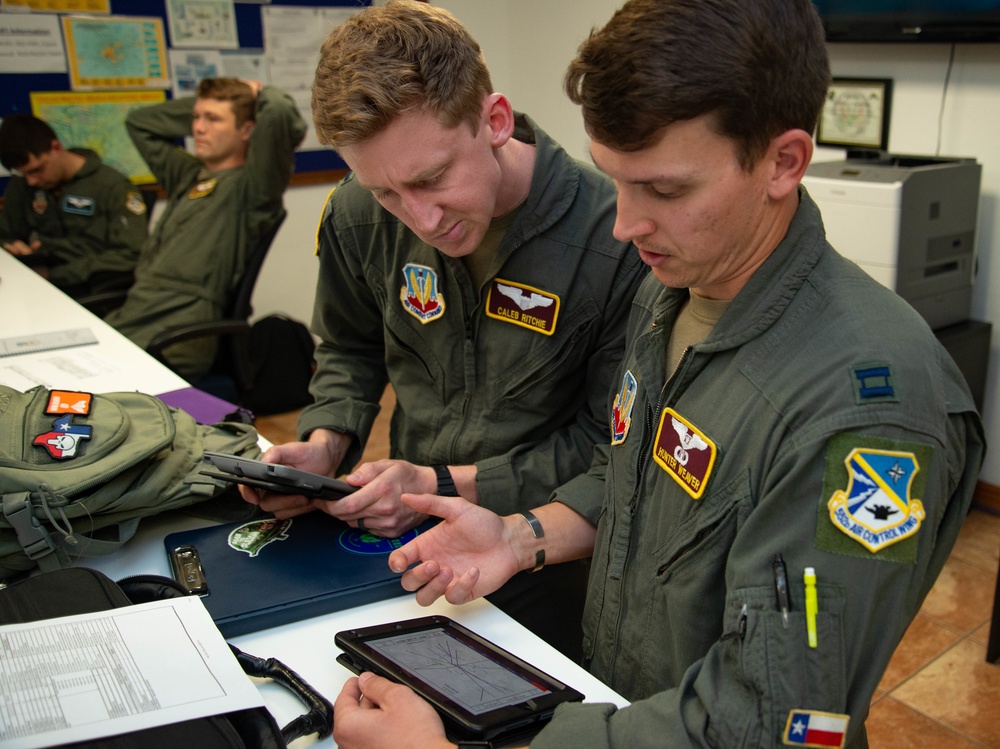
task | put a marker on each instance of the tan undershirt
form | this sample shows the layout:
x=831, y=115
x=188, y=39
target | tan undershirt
x=478, y=262
x=694, y=322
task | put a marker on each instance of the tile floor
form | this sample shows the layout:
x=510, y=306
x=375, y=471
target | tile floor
x=938, y=691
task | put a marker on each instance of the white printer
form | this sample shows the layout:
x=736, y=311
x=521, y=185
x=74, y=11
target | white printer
x=910, y=221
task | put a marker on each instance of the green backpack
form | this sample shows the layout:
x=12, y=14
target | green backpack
x=78, y=471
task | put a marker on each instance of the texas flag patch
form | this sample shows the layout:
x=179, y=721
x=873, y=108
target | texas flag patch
x=813, y=728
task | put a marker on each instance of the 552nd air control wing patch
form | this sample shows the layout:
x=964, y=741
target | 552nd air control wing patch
x=871, y=503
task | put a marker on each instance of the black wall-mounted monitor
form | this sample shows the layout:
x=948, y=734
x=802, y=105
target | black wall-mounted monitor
x=913, y=21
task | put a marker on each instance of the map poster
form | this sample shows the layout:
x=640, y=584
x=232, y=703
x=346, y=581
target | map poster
x=96, y=120
x=116, y=52
x=60, y=6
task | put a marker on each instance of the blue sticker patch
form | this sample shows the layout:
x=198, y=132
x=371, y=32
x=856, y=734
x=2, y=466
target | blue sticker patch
x=364, y=543
x=873, y=384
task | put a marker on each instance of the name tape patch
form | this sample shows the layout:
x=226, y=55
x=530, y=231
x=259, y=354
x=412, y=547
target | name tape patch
x=523, y=305
x=683, y=451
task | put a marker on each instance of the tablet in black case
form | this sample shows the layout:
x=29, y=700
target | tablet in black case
x=269, y=572
x=481, y=692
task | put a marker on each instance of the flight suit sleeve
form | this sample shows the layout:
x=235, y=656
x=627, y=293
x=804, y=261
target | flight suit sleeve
x=156, y=131
x=278, y=130
x=350, y=359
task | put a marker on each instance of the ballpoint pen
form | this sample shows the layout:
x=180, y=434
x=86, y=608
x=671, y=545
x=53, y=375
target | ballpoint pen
x=781, y=588
x=812, y=605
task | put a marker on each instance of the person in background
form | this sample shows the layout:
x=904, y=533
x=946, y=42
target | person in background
x=791, y=452
x=74, y=220
x=468, y=260
x=220, y=200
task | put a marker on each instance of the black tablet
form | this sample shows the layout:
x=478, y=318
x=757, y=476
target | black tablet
x=481, y=691
x=275, y=477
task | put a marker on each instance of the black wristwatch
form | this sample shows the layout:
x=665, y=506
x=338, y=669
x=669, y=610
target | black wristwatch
x=446, y=484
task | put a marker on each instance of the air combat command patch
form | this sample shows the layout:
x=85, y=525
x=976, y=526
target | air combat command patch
x=621, y=412
x=871, y=503
x=420, y=296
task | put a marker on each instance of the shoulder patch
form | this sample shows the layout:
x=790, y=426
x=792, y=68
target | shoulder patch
x=683, y=451
x=872, y=383
x=621, y=412
x=523, y=305
x=420, y=295
x=871, y=504
x=135, y=203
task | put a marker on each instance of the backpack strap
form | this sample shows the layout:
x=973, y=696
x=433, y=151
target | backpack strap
x=52, y=551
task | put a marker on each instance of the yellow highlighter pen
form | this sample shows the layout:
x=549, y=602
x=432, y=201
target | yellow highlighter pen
x=812, y=605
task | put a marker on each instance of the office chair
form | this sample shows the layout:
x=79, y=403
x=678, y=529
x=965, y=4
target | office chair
x=231, y=374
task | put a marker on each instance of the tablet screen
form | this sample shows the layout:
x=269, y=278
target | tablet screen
x=456, y=668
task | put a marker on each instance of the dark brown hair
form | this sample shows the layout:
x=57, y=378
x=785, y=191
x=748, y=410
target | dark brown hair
x=759, y=66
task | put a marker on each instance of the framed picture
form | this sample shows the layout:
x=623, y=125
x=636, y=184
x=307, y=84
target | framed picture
x=856, y=113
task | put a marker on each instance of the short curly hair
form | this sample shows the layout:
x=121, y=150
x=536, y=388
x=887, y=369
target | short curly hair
x=388, y=59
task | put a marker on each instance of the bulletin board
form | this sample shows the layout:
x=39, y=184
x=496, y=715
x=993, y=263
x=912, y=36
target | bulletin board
x=20, y=90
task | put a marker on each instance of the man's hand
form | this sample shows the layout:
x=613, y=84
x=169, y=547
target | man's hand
x=377, y=501
x=17, y=247
x=470, y=554
x=375, y=713
x=321, y=454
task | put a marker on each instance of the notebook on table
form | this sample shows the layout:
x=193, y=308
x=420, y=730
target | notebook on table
x=268, y=572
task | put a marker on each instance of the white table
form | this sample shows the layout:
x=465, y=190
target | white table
x=30, y=305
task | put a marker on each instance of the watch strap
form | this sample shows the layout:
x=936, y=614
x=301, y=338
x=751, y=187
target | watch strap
x=446, y=484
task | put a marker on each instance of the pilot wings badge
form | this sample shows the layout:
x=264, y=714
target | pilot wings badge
x=876, y=509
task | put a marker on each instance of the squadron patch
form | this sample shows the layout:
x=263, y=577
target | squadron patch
x=871, y=491
x=79, y=205
x=684, y=452
x=135, y=204
x=202, y=188
x=420, y=295
x=40, y=202
x=621, y=412
x=522, y=305
x=64, y=439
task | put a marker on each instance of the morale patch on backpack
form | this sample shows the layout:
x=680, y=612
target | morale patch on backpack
x=202, y=189
x=420, y=295
x=523, y=305
x=871, y=497
x=65, y=437
x=252, y=537
x=684, y=452
x=873, y=384
x=79, y=205
x=68, y=402
x=621, y=412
